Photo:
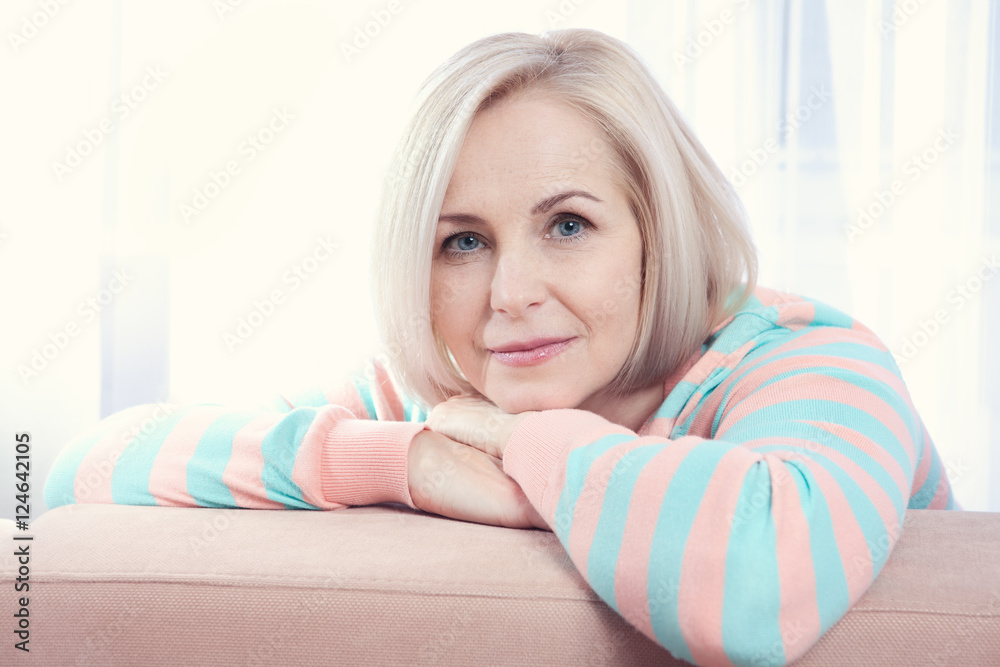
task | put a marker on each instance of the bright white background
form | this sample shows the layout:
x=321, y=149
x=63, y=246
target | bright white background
x=814, y=108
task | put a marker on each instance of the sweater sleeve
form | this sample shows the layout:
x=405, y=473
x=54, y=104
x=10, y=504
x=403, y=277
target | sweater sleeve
x=745, y=543
x=319, y=450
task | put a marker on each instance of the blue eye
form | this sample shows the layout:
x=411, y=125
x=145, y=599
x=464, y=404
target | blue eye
x=462, y=243
x=569, y=227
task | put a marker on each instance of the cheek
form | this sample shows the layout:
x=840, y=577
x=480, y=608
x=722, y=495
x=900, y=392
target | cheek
x=611, y=297
x=454, y=303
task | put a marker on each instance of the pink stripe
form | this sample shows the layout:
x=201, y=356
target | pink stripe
x=92, y=483
x=632, y=569
x=821, y=336
x=795, y=315
x=854, y=552
x=660, y=426
x=244, y=472
x=920, y=474
x=943, y=492
x=712, y=361
x=752, y=382
x=703, y=570
x=873, y=491
x=701, y=425
x=347, y=396
x=587, y=510
x=307, y=471
x=878, y=453
x=168, y=476
x=824, y=388
x=799, y=621
x=760, y=374
x=858, y=326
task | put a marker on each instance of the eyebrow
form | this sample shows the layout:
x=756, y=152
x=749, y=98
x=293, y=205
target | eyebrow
x=541, y=207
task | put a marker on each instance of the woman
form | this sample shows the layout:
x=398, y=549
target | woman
x=565, y=278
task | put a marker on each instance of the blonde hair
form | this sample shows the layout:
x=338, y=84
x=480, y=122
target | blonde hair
x=699, y=262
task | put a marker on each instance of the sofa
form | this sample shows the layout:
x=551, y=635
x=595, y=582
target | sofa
x=387, y=585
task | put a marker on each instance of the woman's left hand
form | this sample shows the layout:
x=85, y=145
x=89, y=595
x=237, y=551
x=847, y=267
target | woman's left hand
x=474, y=421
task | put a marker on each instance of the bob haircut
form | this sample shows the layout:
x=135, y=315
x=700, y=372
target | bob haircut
x=699, y=263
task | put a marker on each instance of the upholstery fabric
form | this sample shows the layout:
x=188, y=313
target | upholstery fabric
x=381, y=585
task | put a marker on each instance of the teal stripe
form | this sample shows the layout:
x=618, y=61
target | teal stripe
x=815, y=434
x=280, y=449
x=752, y=360
x=869, y=384
x=602, y=559
x=412, y=411
x=666, y=555
x=211, y=456
x=577, y=468
x=846, y=350
x=682, y=429
x=751, y=605
x=752, y=365
x=313, y=398
x=925, y=494
x=864, y=511
x=60, y=482
x=829, y=316
x=674, y=403
x=857, y=351
x=361, y=386
x=130, y=481
x=775, y=419
x=832, y=594
x=277, y=403
x=746, y=327
x=751, y=303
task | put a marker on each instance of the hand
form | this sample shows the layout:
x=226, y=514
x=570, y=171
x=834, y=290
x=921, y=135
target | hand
x=458, y=481
x=475, y=421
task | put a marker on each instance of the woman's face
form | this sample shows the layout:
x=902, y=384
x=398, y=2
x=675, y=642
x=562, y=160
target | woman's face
x=537, y=264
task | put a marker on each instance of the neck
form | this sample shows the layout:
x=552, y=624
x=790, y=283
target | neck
x=631, y=410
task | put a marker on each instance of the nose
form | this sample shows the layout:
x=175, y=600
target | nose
x=518, y=282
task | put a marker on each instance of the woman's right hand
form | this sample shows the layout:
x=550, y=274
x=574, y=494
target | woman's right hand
x=459, y=481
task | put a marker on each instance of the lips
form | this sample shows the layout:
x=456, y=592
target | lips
x=530, y=352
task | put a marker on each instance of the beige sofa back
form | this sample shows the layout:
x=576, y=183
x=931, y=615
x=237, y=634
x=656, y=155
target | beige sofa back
x=384, y=585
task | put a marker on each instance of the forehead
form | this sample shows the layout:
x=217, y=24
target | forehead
x=526, y=145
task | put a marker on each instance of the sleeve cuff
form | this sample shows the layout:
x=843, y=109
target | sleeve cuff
x=536, y=453
x=365, y=462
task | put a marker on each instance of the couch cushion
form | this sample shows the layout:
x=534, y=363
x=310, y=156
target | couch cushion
x=119, y=585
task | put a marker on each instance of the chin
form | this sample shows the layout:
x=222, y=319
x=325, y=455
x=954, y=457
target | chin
x=516, y=402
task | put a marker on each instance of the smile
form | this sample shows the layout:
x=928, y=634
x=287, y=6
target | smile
x=530, y=353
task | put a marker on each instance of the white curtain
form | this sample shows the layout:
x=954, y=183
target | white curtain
x=863, y=139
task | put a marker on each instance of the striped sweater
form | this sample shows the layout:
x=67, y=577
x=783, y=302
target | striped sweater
x=747, y=515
